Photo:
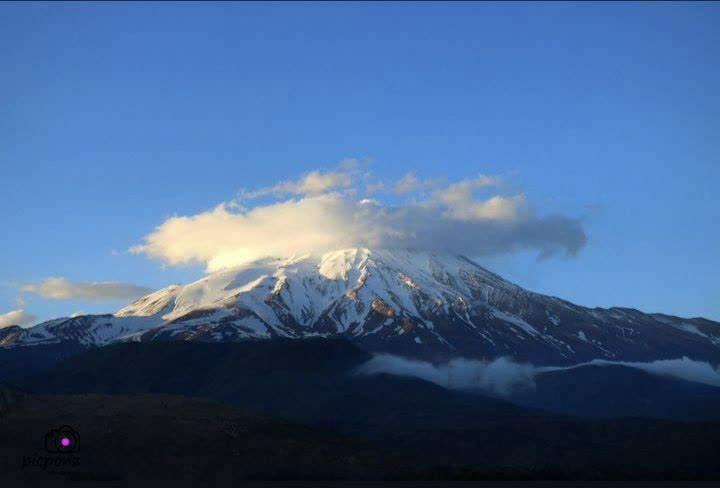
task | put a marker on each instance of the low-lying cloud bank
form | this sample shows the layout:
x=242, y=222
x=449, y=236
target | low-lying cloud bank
x=683, y=369
x=500, y=376
x=503, y=376
x=324, y=211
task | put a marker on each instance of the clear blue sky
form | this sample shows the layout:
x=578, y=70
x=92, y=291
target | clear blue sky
x=116, y=116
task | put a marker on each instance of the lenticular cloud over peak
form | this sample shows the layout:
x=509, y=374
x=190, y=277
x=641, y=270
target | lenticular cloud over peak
x=323, y=211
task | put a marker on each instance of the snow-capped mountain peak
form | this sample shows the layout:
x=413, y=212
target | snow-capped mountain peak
x=422, y=304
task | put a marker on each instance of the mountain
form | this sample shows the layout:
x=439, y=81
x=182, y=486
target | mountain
x=435, y=431
x=318, y=374
x=614, y=391
x=417, y=304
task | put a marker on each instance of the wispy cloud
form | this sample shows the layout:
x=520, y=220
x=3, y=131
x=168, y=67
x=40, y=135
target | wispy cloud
x=407, y=184
x=328, y=210
x=504, y=376
x=411, y=184
x=313, y=183
x=500, y=376
x=58, y=288
x=16, y=317
x=375, y=187
x=682, y=368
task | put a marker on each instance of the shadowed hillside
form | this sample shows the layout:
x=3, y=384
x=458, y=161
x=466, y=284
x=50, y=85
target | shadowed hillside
x=439, y=433
x=149, y=437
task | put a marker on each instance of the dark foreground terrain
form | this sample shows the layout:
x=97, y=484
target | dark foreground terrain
x=146, y=437
x=295, y=410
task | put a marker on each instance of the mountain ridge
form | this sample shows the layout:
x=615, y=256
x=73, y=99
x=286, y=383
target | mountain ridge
x=313, y=382
x=418, y=304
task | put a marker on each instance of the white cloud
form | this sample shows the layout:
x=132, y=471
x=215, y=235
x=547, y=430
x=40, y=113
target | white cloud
x=410, y=183
x=313, y=183
x=683, y=369
x=500, y=376
x=77, y=314
x=407, y=184
x=504, y=376
x=328, y=216
x=58, y=288
x=371, y=188
x=351, y=165
x=16, y=317
x=462, y=203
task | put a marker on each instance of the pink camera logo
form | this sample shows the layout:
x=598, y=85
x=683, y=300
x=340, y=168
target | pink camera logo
x=62, y=440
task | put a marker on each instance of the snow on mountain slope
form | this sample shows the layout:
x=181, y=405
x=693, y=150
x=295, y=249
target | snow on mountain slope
x=87, y=330
x=412, y=303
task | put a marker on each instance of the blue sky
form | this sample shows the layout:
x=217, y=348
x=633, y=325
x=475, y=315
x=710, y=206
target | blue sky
x=118, y=116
